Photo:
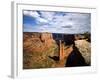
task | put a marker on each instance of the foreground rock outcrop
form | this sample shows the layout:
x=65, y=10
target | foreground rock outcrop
x=85, y=49
x=36, y=49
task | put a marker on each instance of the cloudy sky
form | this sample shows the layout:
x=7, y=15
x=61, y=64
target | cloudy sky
x=56, y=22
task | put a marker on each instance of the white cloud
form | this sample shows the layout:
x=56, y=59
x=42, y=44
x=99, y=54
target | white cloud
x=47, y=15
x=68, y=23
x=41, y=20
x=35, y=15
x=31, y=13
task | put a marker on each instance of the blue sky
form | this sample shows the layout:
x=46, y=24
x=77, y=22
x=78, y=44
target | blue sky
x=56, y=22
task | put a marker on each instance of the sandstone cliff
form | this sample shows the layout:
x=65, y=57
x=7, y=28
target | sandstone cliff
x=36, y=49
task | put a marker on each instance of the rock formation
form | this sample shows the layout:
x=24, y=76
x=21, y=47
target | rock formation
x=85, y=49
x=36, y=49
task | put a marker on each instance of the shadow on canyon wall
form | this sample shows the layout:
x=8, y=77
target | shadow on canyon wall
x=44, y=50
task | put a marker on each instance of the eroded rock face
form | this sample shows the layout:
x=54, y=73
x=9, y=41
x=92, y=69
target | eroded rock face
x=37, y=41
x=46, y=36
x=85, y=49
x=38, y=46
x=36, y=49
